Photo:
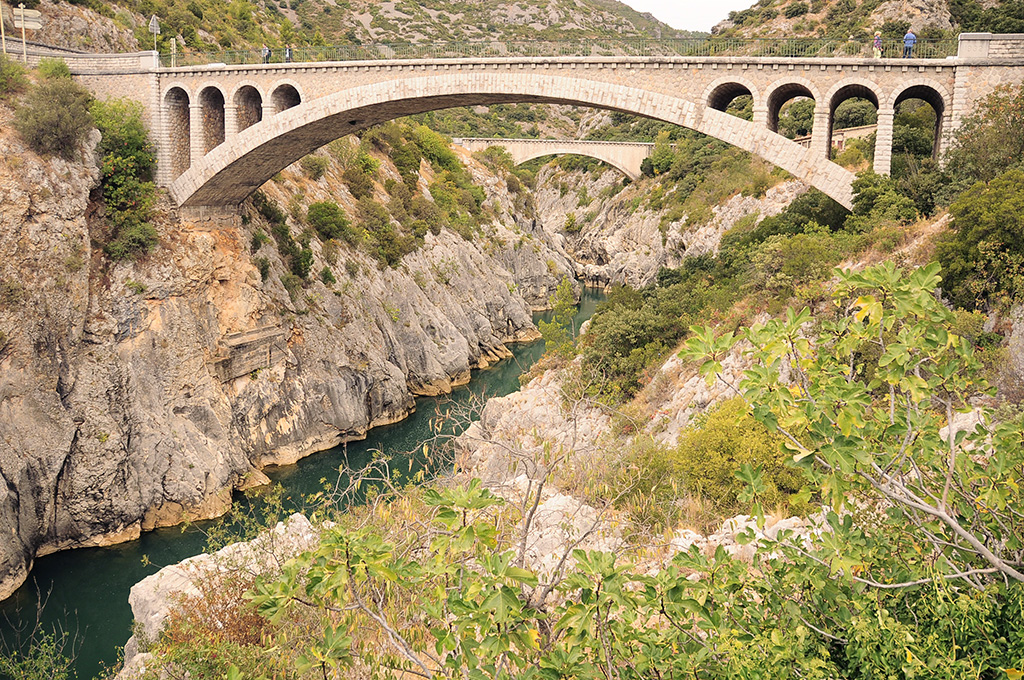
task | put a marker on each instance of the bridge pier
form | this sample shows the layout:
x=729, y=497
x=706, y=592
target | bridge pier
x=883, y=141
x=197, y=136
x=821, y=130
x=230, y=121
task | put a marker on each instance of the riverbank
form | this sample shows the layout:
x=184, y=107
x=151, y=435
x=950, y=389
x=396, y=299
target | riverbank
x=87, y=589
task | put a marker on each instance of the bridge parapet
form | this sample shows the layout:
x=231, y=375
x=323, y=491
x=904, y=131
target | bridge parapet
x=991, y=46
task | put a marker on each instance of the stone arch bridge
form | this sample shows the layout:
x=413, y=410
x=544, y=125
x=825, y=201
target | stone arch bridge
x=625, y=156
x=222, y=131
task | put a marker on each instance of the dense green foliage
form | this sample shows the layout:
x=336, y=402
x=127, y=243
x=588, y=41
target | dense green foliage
x=12, y=77
x=126, y=177
x=983, y=254
x=1004, y=16
x=54, y=119
x=928, y=588
x=694, y=483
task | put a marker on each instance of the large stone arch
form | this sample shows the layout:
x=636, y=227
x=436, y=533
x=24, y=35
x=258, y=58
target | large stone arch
x=238, y=167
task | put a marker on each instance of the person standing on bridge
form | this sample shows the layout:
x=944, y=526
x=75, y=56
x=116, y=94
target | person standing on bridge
x=288, y=54
x=908, y=43
x=265, y=54
x=877, y=45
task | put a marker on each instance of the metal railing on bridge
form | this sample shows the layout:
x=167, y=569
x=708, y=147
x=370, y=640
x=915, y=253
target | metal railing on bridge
x=689, y=47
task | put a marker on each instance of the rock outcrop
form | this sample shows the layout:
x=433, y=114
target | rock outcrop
x=135, y=394
x=621, y=239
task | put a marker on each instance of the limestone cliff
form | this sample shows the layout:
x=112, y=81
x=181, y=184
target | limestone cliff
x=620, y=237
x=135, y=394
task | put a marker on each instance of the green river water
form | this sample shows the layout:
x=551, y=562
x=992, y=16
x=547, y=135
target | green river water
x=88, y=588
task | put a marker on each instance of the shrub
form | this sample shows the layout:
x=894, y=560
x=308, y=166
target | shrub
x=570, y=223
x=302, y=263
x=53, y=69
x=292, y=284
x=263, y=265
x=795, y=9
x=12, y=76
x=314, y=165
x=259, y=238
x=330, y=222
x=359, y=184
x=327, y=276
x=55, y=118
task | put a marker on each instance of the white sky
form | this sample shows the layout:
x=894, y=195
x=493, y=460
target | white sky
x=690, y=15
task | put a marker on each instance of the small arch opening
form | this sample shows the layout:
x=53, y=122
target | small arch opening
x=211, y=100
x=248, y=107
x=179, y=127
x=791, y=110
x=733, y=98
x=917, y=125
x=285, y=97
x=853, y=118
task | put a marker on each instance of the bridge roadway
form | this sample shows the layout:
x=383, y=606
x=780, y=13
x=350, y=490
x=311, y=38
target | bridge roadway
x=222, y=131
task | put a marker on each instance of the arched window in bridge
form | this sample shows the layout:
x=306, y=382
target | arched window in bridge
x=249, y=106
x=917, y=127
x=211, y=100
x=853, y=117
x=734, y=99
x=178, y=126
x=791, y=111
x=285, y=97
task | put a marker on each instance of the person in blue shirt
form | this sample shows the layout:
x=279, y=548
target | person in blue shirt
x=908, y=43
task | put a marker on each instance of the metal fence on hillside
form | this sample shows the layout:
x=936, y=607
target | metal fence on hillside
x=690, y=47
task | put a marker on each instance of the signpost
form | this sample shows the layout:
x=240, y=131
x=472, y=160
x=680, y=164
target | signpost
x=24, y=19
x=154, y=28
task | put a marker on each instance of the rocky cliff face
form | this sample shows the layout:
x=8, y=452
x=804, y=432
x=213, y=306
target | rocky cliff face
x=621, y=239
x=134, y=395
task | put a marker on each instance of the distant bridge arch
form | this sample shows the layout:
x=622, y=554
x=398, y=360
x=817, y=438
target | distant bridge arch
x=625, y=157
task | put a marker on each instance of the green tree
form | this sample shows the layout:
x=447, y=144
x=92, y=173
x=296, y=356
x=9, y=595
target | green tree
x=983, y=254
x=559, y=334
x=861, y=405
x=988, y=141
x=661, y=155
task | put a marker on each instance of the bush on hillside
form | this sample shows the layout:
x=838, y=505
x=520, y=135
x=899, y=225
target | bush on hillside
x=314, y=166
x=12, y=77
x=53, y=69
x=982, y=256
x=124, y=134
x=330, y=222
x=55, y=119
x=989, y=141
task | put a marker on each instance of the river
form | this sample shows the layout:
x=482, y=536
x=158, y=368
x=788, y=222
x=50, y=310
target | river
x=88, y=588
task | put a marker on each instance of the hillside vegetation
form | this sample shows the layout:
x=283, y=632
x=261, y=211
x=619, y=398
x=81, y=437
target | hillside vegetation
x=858, y=19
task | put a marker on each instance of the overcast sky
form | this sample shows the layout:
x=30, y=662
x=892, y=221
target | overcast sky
x=690, y=15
